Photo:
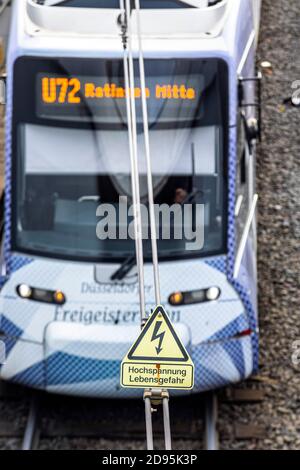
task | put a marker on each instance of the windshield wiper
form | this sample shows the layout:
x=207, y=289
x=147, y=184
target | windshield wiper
x=124, y=269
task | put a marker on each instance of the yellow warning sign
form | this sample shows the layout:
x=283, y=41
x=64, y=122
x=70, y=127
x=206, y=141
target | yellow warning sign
x=158, y=357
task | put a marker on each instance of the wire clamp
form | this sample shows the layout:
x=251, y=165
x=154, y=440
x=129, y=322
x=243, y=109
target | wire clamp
x=156, y=396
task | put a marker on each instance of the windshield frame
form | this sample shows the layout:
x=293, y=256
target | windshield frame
x=23, y=114
x=177, y=4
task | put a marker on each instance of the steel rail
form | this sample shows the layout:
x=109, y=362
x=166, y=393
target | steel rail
x=31, y=433
x=211, y=416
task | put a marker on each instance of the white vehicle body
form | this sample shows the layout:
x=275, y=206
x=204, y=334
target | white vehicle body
x=76, y=348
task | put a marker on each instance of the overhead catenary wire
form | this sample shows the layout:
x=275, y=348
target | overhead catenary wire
x=132, y=137
x=149, y=428
x=148, y=158
x=167, y=427
x=165, y=400
x=125, y=6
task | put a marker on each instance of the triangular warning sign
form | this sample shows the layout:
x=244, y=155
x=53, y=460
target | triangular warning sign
x=158, y=341
x=158, y=358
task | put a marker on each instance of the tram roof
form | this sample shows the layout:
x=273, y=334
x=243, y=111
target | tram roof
x=159, y=18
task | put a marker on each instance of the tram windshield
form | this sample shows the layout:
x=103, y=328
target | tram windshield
x=73, y=196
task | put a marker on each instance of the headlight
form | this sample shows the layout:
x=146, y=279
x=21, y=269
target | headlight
x=41, y=295
x=195, y=296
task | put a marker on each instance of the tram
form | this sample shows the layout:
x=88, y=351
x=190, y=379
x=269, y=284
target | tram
x=69, y=306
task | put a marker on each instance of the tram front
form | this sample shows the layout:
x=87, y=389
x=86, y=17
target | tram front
x=69, y=302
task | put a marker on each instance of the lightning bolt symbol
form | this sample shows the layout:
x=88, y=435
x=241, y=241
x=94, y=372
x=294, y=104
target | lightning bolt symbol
x=159, y=336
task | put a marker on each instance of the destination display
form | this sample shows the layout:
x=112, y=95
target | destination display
x=62, y=90
x=103, y=100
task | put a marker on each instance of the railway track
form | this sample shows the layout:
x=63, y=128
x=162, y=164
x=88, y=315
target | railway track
x=51, y=421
